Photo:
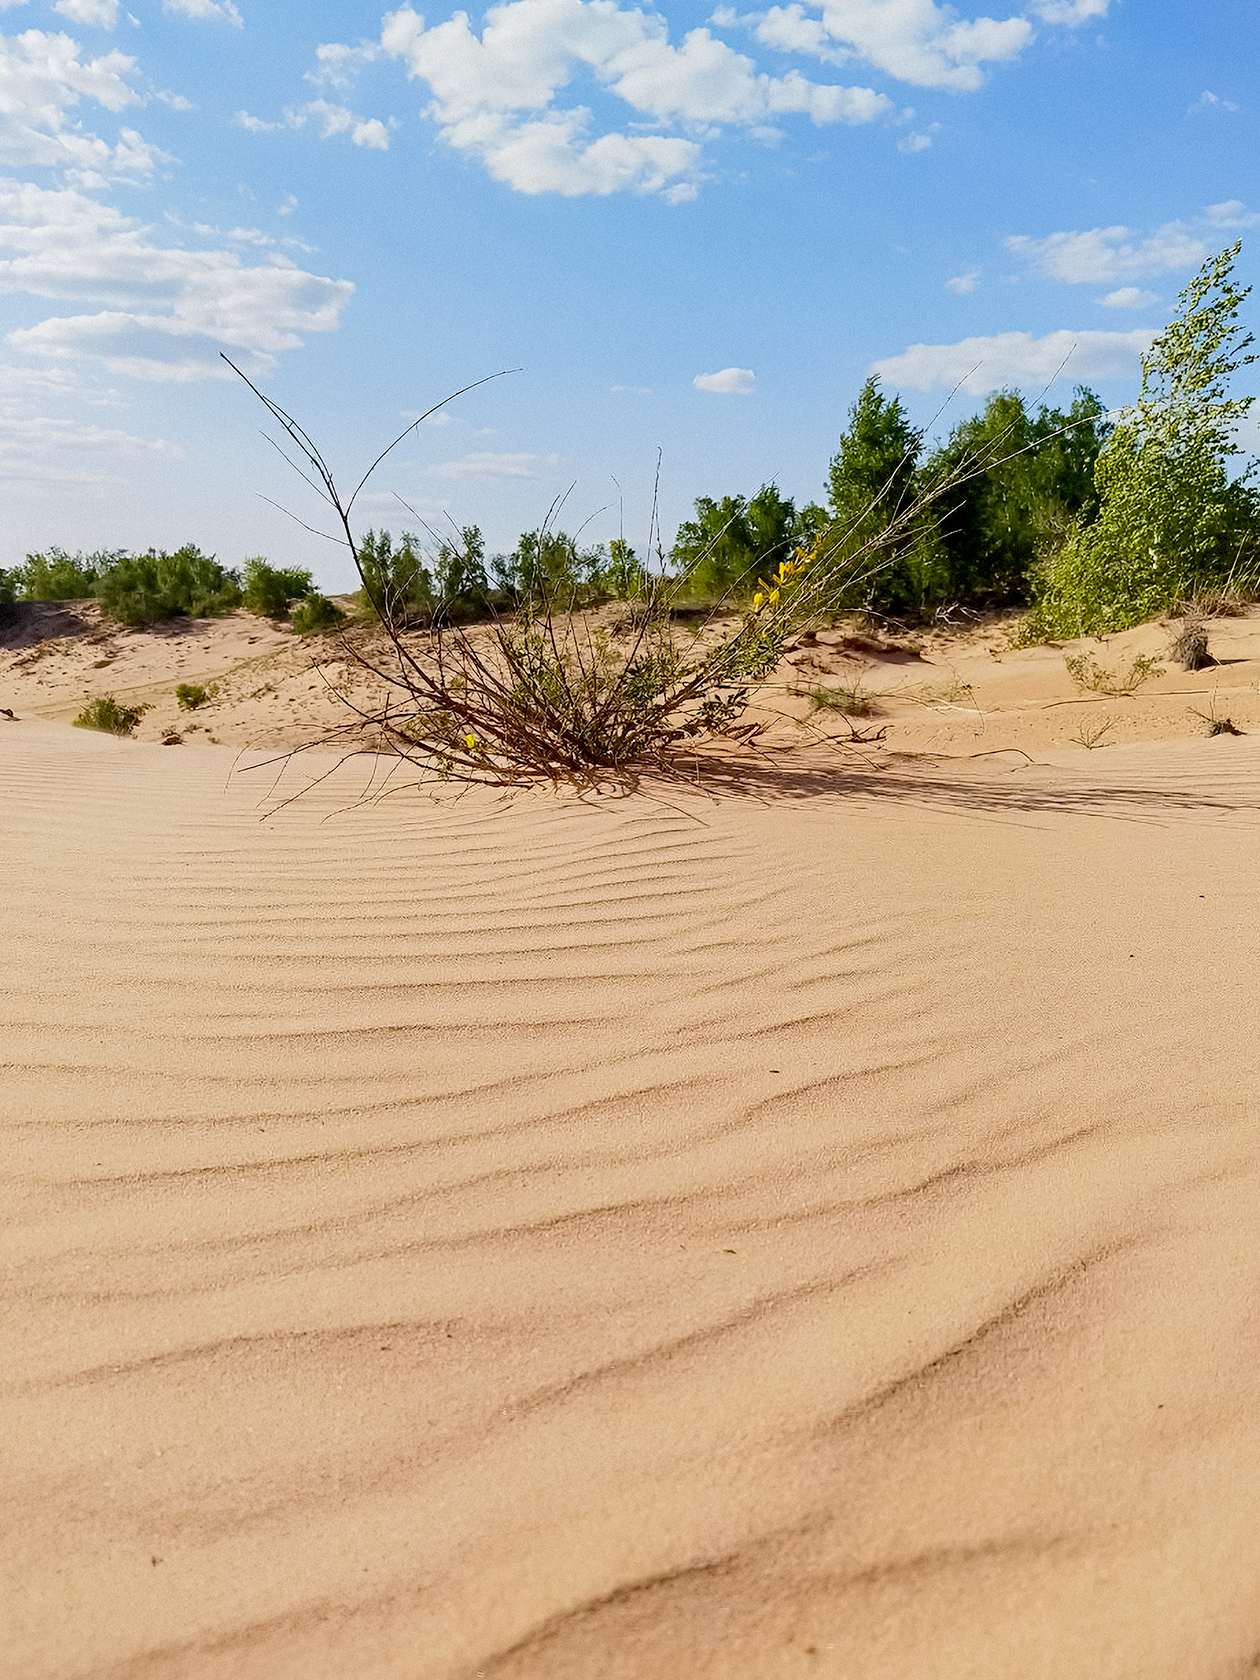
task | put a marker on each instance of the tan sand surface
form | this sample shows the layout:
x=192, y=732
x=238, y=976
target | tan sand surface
x=947, y=691
x=807, y=1231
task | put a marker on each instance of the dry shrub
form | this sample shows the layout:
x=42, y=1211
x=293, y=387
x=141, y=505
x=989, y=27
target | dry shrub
x=549, y=693
x=1188, y=645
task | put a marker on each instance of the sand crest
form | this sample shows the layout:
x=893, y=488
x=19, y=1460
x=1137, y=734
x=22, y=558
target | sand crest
x=807, y=1232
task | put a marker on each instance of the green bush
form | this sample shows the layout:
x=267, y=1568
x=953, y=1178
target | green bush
x=270, y=590
x=316, y=615
x=192, y=695
x=142, y=589
x=54, y=575
x=110, y=715
x=729, y=542
x=8, y=587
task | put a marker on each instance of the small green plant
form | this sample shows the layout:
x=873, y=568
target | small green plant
x=852, y=702
x=110, y=715
x=192, y=695
x=270, y=590
x=1091, y=677
x=316, y=615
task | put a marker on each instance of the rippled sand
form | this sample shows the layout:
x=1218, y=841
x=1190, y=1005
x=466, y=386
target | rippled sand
x=811, y=1232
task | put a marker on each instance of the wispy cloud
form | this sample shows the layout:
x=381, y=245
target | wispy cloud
x=961, y=284
x=222, y=9
x=1212, y=102
x=1128, y=297
x=1110, y=253
x=481, y=464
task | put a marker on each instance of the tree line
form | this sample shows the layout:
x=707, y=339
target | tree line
x=1092, y=522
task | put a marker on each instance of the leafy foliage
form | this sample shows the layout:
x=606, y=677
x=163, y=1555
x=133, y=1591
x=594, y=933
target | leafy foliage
x=54, y=575
x=270, y=590
x=1022, y=483
x=143, y=589
x=397, y=587
x=729, y=541
x=316, y=615
x=1173, y=524
x=463, y=588
x=110, y=715
x=191, y=695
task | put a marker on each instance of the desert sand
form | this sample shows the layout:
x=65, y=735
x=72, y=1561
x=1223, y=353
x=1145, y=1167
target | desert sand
x=799, y=1225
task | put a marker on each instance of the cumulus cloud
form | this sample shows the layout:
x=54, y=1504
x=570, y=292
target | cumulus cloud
x=204, y=9
x=163, y=312
x=979, y=365
x=1128, y=297
x=494, y=94
x=336, y=65
x=1112, y=253
x=961, y=284
x=42, y=80
x=730, y=382
x=484, y=465
x=916, y=41
x=93, y=14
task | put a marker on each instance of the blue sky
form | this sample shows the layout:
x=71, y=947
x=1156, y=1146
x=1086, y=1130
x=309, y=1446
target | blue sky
x=693, y=230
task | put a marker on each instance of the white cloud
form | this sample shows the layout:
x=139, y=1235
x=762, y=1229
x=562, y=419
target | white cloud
x=336, y=119
x=204, y=9
x=980, y=365
x=631, y=390
x=493, y=94
x=961, y=284
x=730, y=382
x=484, y=465
x=1070, y=12
x=1128, y=297
x=1112, y=253
x=337, y=65
x=43, y=453
x=331, y=119
x=1232, y=214
x=164, y=312
x=916, y=41
x=1212, y=102
x=5, y=4
x=42, y=79
x=93, y=14
x=918, y=140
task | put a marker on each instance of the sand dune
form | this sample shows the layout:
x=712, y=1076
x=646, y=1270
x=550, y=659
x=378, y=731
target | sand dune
x=804, y=1231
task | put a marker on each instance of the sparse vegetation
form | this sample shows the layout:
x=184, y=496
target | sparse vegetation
x=316, y=615
x=191, y=695
x=111, y=715
x=852, y=702
x=1092, y=731
x=1188, y=644
x=1091, y=677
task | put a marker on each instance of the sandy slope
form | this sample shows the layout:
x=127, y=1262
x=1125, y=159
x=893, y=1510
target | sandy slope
x=807, y=1233
x=953, y=692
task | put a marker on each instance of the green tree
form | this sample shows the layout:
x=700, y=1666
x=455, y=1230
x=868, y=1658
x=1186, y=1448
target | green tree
x=873, y=484
x=397, y=586
x=141, y=589
x=548, y=568
x=271, y=590
x=1173, y=521
x=463, y=586
x=730, y=542
x=1018, y=483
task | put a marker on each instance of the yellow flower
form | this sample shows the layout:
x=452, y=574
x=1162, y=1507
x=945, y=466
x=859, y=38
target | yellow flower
x=470, y=741
x=774, y=595
x=758, y=599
